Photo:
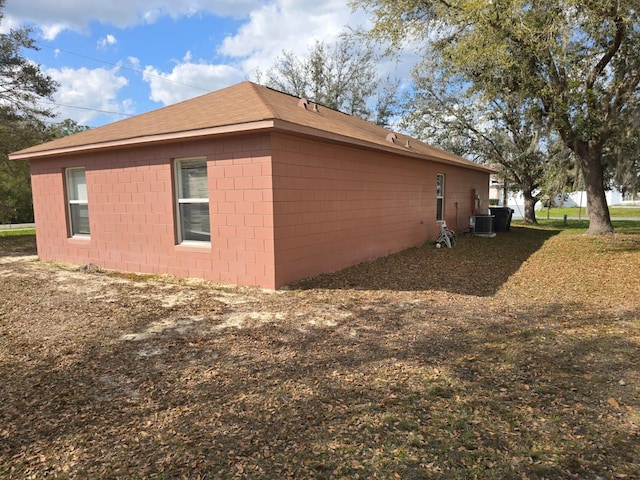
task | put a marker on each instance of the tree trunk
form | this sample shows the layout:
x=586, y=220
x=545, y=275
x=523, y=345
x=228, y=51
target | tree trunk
x=598, y=210
x=529, y=208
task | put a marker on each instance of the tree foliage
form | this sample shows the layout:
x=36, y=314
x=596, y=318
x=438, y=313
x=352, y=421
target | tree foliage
x=64, y=128
x=22, y=86
x=22, y=82
x=341, y=76
x=16, y=204
x=623, y=157
x=15, y=188
x=500, y=131
x=576, y=61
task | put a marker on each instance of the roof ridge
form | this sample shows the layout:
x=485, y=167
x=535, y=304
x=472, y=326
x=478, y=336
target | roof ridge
x=259, y=90
x=263, y=92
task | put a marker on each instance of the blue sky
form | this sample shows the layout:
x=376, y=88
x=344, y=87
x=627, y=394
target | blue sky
x=125, y=57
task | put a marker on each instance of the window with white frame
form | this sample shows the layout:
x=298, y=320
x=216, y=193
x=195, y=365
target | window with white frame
x=78, y=204
x=439, y=197
x=192, y=200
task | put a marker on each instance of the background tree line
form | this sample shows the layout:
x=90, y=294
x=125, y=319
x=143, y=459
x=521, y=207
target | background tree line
x=547, y=92
x=23, y=120
x=342, y=76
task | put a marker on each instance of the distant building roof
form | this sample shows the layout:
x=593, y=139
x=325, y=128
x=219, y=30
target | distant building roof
x=242, y=107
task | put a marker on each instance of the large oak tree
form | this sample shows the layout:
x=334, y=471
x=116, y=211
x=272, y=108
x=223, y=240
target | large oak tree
x=578, y=61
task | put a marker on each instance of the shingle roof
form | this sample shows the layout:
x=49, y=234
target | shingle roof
x=244, y=106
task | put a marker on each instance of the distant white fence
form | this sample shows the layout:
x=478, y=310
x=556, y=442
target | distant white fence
x=17, y=226
x=573, y=199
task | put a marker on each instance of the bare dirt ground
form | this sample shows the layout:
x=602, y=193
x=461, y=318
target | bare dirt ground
x=515, y=357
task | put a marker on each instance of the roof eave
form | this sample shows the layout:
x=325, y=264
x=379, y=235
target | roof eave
x=145, y=140
x=391, y=148
x=278, y=124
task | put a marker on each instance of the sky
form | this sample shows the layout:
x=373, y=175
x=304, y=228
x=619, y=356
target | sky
x=118, y=58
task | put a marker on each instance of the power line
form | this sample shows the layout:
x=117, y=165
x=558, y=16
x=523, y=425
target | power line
x=116, y=65
x=124, y=67
x=87, y=108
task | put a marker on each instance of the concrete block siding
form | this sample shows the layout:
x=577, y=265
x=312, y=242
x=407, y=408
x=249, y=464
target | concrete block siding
x=335, y=206
x=131, y=211
x=293, y=191
x=282, y=207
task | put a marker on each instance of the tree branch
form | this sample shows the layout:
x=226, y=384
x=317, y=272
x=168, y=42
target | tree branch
x=608, y=55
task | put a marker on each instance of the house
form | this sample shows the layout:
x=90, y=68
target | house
x=245, y=185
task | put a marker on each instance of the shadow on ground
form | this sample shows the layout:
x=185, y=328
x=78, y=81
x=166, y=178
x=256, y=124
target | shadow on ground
x=401, y=398
x=475, y=266
x=352, y=383
x=17, y=245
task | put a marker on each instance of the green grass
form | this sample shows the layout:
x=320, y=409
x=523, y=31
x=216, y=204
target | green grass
x=630, y=227
x=621, y=226
x=615, y=212
x=12, y=232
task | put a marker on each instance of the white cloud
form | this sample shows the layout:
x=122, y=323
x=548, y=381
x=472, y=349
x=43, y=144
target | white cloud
x=107, y=41
x=7, y=24
x=94, y=91
x=135, y=62
x=55, y=17
x=262, y=38
x=188, y=79
x=268, y=28
x=52, y=30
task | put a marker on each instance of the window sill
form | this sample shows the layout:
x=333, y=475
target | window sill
x=79, y=240
x=193, y=247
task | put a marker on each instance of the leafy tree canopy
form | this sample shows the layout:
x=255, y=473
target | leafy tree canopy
x=64, y=128
x=577, y=61
x=503, y=131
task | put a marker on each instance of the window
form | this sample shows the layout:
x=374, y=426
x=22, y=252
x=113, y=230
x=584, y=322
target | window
x=192, y=199
x=77, y=201
x=439, y=197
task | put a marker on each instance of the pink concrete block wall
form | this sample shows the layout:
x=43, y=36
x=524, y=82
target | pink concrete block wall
x=335, y=207
x=131, y=211
x=282, y=208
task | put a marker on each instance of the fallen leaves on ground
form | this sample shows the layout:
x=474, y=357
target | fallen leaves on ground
x=500, y=358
